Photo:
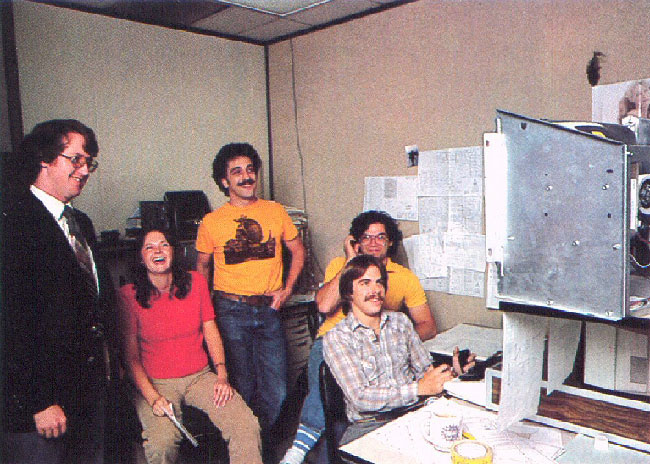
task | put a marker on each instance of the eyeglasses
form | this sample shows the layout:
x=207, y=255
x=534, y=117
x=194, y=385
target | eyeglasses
x=79, y=161
x=379, y=238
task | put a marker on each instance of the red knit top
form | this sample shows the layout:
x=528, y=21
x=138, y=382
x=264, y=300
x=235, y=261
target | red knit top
x=170, y=335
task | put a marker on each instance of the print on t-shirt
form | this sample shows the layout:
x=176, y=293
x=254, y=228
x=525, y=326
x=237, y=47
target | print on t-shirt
x=247, y=244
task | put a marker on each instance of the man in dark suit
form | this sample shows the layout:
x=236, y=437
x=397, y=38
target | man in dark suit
x=54, y=364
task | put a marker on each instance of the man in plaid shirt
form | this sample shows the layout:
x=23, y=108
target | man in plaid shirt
x=376, y=356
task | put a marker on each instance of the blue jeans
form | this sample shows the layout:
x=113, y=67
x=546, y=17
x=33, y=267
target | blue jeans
x=312, y=414
x=256, y=356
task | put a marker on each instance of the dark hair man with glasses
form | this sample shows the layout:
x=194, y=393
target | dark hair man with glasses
x=53, y=369
x=372, y=233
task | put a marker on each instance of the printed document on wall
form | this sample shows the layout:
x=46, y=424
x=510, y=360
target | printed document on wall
x=451, y=213
x=466, y=282
x=395, y=195
x=454, y=171
x=465, y=251
x=425, y=255
x=466, y=214
x=433, y=213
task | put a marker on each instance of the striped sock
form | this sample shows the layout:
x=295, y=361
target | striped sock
x=306, y=438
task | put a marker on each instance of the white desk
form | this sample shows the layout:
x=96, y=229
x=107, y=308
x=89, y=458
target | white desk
x=402, y=441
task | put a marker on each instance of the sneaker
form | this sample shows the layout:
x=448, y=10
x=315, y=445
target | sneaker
x=293, y=456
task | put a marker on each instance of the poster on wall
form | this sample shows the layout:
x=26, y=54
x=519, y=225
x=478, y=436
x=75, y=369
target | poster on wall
x=613, y=102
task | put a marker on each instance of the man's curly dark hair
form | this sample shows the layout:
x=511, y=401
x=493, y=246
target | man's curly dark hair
x=361, y=223
x=230, y=152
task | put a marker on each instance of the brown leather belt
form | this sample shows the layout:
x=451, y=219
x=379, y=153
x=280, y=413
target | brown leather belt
x=253, y=300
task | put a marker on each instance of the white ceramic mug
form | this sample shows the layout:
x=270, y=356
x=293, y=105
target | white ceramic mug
x=445, y=427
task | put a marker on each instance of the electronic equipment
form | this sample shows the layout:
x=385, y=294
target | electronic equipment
x=643, y=196
x=153, y=215
x=185, y=210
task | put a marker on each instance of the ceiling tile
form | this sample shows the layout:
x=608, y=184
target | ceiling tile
x=331, y=11
x=233, y=20
x=266, y=20
x=278, y=7
x=275, y=29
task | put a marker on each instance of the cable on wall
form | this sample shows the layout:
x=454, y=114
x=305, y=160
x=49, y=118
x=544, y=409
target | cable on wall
x=300, y=157
x=295, y=123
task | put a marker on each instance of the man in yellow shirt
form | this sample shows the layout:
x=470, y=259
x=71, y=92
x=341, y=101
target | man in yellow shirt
x=243, y=238
x=373, y=233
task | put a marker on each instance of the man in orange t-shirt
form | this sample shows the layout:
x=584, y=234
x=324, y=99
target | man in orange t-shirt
x=243, y=238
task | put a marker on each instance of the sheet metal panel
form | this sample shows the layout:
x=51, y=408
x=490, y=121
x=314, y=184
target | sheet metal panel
x=566, y=242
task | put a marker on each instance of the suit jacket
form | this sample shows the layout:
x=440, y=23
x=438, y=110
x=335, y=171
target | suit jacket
x=54, y=324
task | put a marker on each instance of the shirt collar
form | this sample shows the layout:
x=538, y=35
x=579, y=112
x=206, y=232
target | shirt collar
x=53, y=205
x=354, y=323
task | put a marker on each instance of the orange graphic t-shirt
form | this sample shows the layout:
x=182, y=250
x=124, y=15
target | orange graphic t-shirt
x=246, y=243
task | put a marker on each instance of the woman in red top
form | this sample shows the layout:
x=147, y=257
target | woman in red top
x=167, y=314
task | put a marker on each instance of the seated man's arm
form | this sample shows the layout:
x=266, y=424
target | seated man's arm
x=359, y=378
x=416, y=302
x=430, y=379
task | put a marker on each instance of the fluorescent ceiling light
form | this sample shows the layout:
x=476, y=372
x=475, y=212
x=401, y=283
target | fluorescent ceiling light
x=277, y=7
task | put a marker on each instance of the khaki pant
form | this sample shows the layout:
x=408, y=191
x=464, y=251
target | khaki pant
x=238, y=426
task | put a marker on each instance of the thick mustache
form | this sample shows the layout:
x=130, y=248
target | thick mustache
x=375, y=295
x=246, y=182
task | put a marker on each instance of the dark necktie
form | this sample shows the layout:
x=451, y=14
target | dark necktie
x=80, y=247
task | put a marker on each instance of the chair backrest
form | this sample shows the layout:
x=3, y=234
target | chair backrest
x=334, y=408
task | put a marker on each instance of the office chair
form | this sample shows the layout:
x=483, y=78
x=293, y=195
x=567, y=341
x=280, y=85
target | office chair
x=334, y=408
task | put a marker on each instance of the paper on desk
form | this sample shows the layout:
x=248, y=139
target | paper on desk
x=403, y=440
x=484, y=341
x=472, y=391
x=523, y=352
x=547, y=440
x=563, y=340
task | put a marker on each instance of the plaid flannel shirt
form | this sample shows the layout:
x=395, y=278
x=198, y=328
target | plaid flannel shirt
x=376, y=374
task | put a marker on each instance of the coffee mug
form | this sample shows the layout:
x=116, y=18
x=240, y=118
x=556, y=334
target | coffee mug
x=445, y=427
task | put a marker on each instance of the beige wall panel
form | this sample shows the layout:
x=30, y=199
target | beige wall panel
x=161, y=101
x=432, y=73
